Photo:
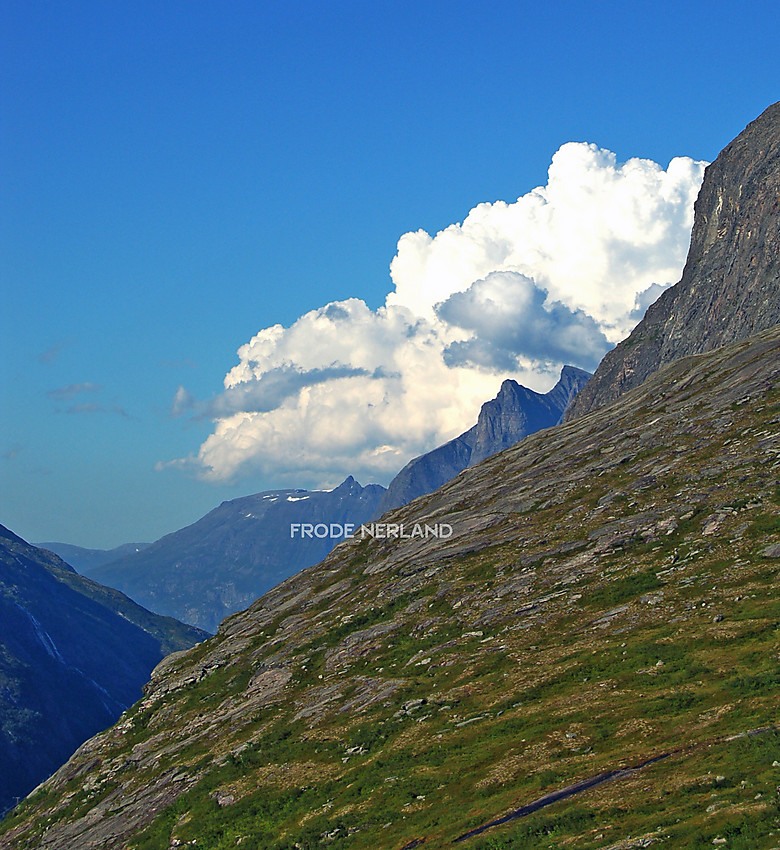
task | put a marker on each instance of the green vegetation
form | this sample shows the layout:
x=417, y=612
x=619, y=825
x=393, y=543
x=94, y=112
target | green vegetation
x=624, y=588
x=765, y=524
x=618, y=622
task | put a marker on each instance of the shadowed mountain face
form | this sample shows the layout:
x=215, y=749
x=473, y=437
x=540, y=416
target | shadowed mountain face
x=730, y=286
x=73, y=656
x=224, y=561
x=86, y=561
x=513, y=414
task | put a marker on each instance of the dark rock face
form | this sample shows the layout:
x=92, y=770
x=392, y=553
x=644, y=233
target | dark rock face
x=427, y=473
x=730, y=286
x=513, y=414
x=224, y=561
x=73, y=656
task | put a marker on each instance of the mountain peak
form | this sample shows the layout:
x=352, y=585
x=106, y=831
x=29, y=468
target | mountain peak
x=730, y=286
x=236, y=552
x=7, y=534
x=514, y=413
x=570, y=373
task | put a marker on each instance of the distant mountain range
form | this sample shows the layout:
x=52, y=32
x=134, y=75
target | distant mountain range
x=73, y=656
x=86, y=561
x=225, y=560
x=513, y=414
x=75, y=653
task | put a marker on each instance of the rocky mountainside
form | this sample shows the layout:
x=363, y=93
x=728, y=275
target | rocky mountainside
x=225, y=560
x=73, y=656
x=588, y=660
x=730, y=286
x=513, y=414
x=86, y=561
x=605, y=609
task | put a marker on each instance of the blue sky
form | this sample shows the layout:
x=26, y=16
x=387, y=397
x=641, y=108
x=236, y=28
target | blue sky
x=177, y=177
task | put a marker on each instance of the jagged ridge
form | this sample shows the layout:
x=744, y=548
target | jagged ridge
x=730, y=286
x=513, y=414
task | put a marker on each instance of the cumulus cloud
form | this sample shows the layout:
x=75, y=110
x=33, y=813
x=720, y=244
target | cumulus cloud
x=515, y=290
x=368, y=389
x=512, y=319
x=593, y=237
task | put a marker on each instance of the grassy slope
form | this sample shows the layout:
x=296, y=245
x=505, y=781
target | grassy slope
x=606, y=598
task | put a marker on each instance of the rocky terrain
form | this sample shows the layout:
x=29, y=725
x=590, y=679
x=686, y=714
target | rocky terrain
x=513, y=414
x=730, y=286
x=225, y=560
x=589, y=660
x=74, y=656
x=608, y=595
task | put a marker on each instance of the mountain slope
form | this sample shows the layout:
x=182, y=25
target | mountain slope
x=225, y=560
x=86, y=561
x=73, y=656
x=730, y=286
x=513, y=414
x=607, y=598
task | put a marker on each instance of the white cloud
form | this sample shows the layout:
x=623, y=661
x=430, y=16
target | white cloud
x=183, y=402
x=363, y=391
x=597, y=234
x=512, y=318
x=515, y=291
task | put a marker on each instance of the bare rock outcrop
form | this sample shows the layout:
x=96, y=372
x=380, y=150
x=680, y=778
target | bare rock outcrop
x=730, y=286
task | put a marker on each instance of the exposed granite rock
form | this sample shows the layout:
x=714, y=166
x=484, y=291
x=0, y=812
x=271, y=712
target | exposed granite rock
x=730, y=286
x=389, y=647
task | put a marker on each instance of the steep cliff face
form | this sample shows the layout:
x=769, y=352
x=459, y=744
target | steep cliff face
x=517, y=412
x=730, y=286
x=513, y=414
